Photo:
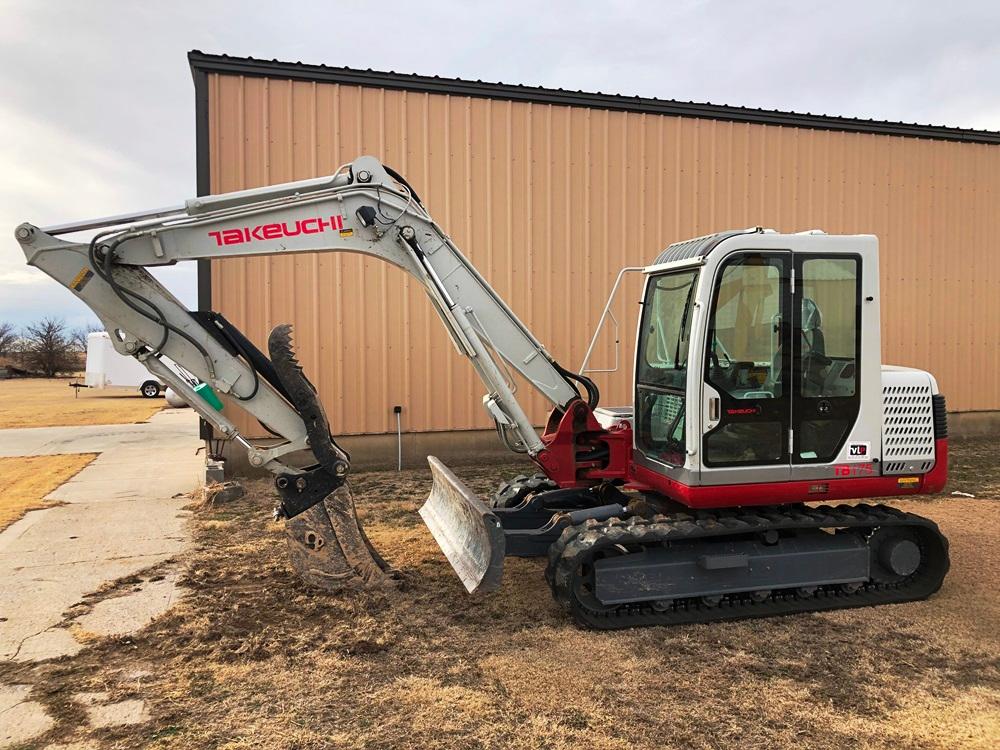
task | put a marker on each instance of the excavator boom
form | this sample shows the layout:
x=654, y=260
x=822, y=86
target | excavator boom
x=364, y=207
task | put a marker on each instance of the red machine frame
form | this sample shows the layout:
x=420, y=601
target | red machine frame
x=577, y=432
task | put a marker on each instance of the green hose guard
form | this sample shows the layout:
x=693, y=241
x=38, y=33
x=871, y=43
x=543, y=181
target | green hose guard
x=205, y=391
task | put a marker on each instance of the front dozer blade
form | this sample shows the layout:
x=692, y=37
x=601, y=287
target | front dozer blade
x=468, y=532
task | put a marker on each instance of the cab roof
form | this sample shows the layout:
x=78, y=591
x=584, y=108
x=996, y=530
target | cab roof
x=699, y=247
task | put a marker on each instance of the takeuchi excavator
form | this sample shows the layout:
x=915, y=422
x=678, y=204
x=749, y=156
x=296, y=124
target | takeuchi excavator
x=758, y=392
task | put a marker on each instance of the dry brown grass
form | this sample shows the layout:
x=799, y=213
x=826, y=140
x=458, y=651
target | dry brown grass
x=251, y=658
x=25, y=481
x=50, y=402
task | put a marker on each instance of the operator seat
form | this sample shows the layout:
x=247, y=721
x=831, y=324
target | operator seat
x=812, y=332
x=814, y=359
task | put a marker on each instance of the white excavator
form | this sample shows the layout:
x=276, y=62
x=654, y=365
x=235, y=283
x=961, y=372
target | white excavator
x=758, y=392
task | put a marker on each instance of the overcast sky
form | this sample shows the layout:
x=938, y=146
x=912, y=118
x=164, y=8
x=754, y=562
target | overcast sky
x=97, y=103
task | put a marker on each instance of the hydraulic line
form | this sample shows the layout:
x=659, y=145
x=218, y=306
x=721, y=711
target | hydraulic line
x=106, y=272
x=505, y=439
x=593, y=392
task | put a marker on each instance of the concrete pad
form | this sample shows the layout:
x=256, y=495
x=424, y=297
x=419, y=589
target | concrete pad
x=51, y=565
x=116, y=523
x=171, y=427
x=130, y=463
x=87, y=488
x=80, y=533
x=90, y=699
x=22, y=719
x=127, y=614
x=48, y=644
x=119, y=714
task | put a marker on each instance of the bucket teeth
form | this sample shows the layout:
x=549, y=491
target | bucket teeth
x=304, y=398
x=279, y=345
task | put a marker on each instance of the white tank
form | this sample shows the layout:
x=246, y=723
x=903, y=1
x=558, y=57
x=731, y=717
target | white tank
x=174, y=399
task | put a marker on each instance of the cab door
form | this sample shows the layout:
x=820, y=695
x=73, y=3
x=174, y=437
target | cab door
x=661, y=373
x=746, y=398
x=826, y=360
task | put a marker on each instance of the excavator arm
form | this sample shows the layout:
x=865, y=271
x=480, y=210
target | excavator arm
x=364, y=207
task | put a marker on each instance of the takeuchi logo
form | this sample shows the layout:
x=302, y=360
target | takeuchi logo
x=743, y=411
x=275, y=231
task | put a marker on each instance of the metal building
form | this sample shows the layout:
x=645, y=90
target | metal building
x=550, y=193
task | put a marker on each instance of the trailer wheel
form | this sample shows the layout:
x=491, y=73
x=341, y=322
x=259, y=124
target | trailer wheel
x=150, y=389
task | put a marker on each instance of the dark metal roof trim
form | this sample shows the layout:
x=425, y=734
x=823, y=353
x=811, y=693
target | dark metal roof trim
x=247, y=66
x=699, y=247
x=203, y=186
x=203, y=176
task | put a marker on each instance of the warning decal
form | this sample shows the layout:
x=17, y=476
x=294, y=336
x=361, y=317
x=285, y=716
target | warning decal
x=80, y=280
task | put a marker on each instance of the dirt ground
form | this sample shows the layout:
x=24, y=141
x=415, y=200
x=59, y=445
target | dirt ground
x=251, y=658
x=24, y=482
x=50, y=402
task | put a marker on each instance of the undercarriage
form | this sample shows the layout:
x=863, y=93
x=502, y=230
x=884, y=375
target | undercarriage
x=738, y=564
x=615, y=562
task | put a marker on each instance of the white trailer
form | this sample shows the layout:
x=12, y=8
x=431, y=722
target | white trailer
x=106, y=368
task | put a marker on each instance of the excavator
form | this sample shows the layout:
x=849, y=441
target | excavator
x=759, y=401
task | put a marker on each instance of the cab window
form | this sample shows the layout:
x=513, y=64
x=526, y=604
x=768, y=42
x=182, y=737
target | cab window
x=746, y=360
x=829, y=334
x=745, y=338
x=661, y=372
x=666, y=330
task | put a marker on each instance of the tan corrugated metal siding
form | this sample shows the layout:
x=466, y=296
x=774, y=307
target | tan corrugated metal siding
x=549, y=201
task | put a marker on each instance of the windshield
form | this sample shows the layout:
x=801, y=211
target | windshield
x=666, y=329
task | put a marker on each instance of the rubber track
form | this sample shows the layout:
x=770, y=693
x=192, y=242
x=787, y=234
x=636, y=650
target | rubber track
x=581, y=544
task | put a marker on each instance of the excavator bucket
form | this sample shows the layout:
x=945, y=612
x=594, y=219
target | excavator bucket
x=329, y=549
x=468, y=532
x=326, y=544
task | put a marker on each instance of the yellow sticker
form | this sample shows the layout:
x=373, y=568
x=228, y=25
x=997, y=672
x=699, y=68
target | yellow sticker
x=346, y=232
x=908, y=481
x=80, y=280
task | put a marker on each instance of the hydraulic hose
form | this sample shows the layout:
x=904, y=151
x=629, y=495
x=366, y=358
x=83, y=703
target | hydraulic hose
x=593, y=392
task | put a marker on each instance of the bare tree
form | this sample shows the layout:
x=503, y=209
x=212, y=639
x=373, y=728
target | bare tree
x=48, y=348
x=78, y=337
x=8, y=339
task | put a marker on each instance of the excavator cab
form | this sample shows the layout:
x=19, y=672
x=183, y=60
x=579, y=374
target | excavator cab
x=754, y=358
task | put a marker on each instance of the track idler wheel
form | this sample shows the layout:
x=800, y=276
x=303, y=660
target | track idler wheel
x=896, y=554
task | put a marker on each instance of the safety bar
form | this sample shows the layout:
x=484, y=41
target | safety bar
x=604, y=316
